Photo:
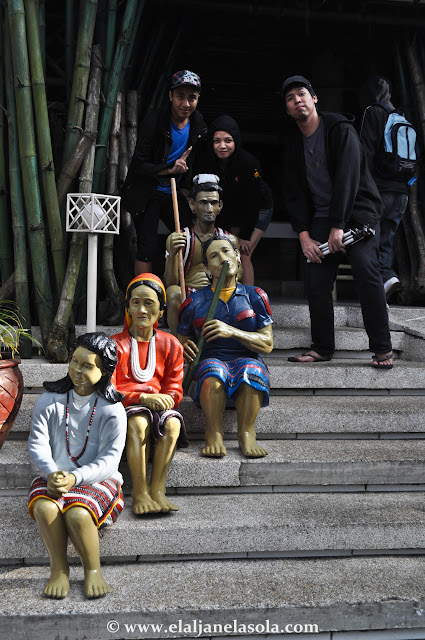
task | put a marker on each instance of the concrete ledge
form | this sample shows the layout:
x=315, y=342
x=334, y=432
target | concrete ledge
x=297, y=414
x=292, y=462
x=225, y=524
x=348, y=594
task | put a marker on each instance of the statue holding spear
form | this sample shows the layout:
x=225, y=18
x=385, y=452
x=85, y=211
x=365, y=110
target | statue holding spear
x=231, y=371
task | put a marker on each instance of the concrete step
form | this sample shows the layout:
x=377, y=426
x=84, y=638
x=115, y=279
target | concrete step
x=347, y=340
x=242, y=526
x=337, y=374
x=289, y=416
x=290, y=465
x=347, y=594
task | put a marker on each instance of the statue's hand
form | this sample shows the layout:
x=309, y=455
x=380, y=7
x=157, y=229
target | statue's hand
x=177, y=242
x=59, y=483
x=189, y=351
x=157, y=401
x=217, y=329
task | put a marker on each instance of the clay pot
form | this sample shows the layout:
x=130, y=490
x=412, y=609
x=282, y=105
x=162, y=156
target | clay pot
x=11, y=390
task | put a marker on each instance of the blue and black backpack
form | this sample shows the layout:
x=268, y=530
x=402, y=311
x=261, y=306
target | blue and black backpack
x=397, y=160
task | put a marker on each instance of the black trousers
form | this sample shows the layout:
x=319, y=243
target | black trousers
x=160, y=206
x=320, y=278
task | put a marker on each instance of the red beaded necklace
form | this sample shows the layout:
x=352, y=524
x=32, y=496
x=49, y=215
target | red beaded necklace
x=76, y=458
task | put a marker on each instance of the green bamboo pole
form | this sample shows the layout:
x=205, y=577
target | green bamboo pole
x=127, y=27
x=17, y=206
x=81, y=75
x=111, y=23
x=133, y=34
x=58, y=338
x=45, y=153
x=210, y=316
x=69, y=45
x=41, y=12
x=6, y=255
x=28, y=160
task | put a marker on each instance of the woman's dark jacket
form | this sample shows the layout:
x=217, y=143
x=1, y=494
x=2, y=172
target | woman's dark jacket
x=245, y=193
x=355, y=198
x=151, y=156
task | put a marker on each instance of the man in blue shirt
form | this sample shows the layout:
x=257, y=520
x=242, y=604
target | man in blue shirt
x=167, y=143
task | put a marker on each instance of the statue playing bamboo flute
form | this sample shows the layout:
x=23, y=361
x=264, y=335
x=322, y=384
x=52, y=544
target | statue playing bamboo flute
x=231, y=371
x=149, y=374
x=77, y=437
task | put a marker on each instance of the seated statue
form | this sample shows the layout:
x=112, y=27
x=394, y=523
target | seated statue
x=231, y=371
x=205, y=201
x=77, y=437
x=149, y=374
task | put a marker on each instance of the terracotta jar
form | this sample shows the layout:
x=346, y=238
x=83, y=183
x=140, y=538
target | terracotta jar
x=11, y=390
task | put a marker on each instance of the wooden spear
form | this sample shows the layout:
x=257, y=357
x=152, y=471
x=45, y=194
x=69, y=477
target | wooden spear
x=177, y=227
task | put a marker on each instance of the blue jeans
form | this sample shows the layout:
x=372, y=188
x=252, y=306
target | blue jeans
x=394, y=205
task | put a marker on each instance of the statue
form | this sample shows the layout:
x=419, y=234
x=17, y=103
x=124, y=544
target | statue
x=231, y=371
x=77, y=437
x=149, y=374
x=205, y=201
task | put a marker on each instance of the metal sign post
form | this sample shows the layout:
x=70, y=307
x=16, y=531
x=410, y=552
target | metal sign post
x=92, y=213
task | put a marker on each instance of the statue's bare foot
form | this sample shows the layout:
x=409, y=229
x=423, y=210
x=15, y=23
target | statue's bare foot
x=164, y=503
x=249, y=446
x=58, y=585
x=143, y=503
x=94, y=584
x=214, y=447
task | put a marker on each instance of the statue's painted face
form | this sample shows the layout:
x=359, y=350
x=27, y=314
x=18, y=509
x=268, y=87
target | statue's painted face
x=206, y=206
x=144, y=308
x=221, y=251
x=85, y=370
x=223, y=144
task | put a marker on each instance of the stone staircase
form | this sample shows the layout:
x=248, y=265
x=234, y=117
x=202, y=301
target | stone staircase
x=327, y=530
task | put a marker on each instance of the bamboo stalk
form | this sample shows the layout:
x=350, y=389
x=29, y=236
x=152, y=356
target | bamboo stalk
x=127, y=27
x=17, y=207
x=111, y=22
x=58, y=337
x=69, y=46
x=45, y=153
x=178, y=229
x=112, y=306
x=123, y=150
x=6, y=255
x=131, y=118
x=41, y=12
x=28, y=160
x=81, y=76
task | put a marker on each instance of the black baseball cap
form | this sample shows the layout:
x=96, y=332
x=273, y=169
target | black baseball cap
x=296, y=81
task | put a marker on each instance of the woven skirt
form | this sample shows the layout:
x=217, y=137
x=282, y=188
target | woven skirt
x=104, y=500
x=233, y=373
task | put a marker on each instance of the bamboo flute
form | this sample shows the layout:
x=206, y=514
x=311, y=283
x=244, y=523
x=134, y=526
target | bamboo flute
x=210, y=316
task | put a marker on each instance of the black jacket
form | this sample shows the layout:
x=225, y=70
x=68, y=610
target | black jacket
x=355, y=198
x=245, y=193
x=151, y=156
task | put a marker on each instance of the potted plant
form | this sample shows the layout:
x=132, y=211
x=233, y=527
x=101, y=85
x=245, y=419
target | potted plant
x=11, y=381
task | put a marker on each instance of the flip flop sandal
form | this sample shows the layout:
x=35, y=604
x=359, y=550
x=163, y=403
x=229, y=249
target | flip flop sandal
x=376, y=364
x=310, y=355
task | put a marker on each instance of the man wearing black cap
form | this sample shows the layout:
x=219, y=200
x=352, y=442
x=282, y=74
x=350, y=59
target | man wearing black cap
x=328, y=189
x=166, y=145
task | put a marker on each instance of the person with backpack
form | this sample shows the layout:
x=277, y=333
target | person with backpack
x=390, y=145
